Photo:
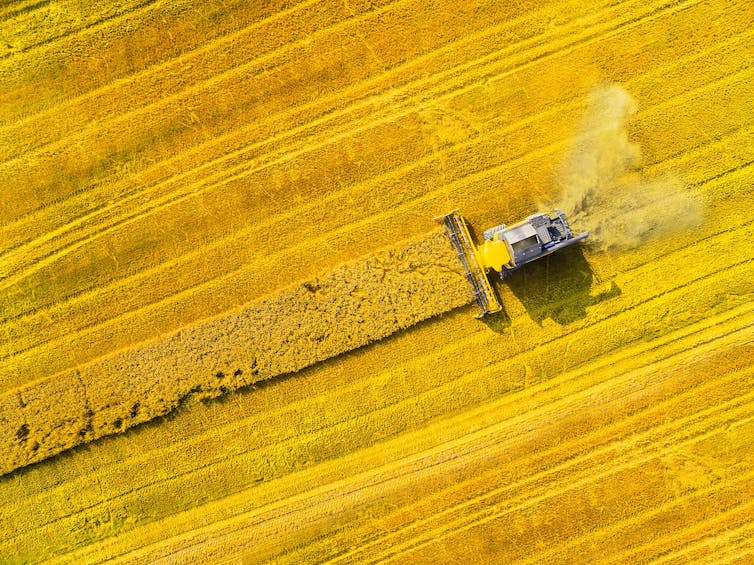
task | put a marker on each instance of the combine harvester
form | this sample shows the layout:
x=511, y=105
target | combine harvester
x=506, y=249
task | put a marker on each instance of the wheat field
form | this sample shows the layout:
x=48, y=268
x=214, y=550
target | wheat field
x=231, y=332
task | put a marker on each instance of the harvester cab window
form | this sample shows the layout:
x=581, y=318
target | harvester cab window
x=525, y=243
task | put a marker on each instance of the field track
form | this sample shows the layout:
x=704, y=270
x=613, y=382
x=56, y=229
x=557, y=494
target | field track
x=246, y=189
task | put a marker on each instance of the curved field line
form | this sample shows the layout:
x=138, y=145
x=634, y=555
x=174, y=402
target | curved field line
x=76, y=243
x=444, y=451
x=490, y=513
x=615, y=527
x=15, y=11
x=299, y=403
x=720, y=521
x=323, y=237
x=355, y=104
x=745, y=531
x=203, y=84
x=482, y=432
x=572, y=459
x=235, y=538
x=177, y=296
x=664, y=507
x=411, y=62
x=231, y=179
x=155, y=68
x=75, y=31
x=672, y=100
x=230, y=533
x=538, y=557
x=737, y=315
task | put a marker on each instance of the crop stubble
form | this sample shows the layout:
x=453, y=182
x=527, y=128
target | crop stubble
x=357, y=303
x=360, y=126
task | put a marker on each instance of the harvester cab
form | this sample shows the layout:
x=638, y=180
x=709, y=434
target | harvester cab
x=506, y=249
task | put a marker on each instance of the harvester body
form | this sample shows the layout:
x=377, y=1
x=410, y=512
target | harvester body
x=506, y=249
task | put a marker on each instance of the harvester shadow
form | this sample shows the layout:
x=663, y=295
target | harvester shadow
x=558, y=287
x=497, y=322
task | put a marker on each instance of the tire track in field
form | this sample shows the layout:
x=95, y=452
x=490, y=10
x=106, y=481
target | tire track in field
x=743, y=534
x=11, y=12
x=633, y=415
x=492, y=441
x=136, y=113
x=591, y=385
x=82, y=72
x=529, y=499
x=238, y=540
x=464, y=144
x=686, y=333
x=287, y=47
x=263, y=227
x=611, y=530
x=73, y=31
x=366, y=223
x=82, y=109
x=706, y=243
x=611, y=362
x=121, y=192
x=37, y=180
x=224, y=431
x=359, y=102
x=741, y=552
x=644, y=517
x=107, y=21
x=728, y=522
x=615, y=526
x=589, y=448
x=683, y=501
x=635, y=357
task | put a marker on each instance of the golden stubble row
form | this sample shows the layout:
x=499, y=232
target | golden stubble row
x=352, y=305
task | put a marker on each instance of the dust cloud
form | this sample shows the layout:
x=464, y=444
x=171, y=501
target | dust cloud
x=603, y=189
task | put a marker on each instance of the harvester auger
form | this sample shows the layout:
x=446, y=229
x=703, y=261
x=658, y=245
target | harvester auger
x=506, y=249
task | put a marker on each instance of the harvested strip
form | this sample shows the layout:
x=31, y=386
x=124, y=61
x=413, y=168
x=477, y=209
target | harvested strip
x=30, y=25
x=353, y=305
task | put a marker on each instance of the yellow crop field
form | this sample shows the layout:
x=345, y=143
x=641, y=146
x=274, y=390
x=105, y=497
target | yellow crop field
x=231, y=332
